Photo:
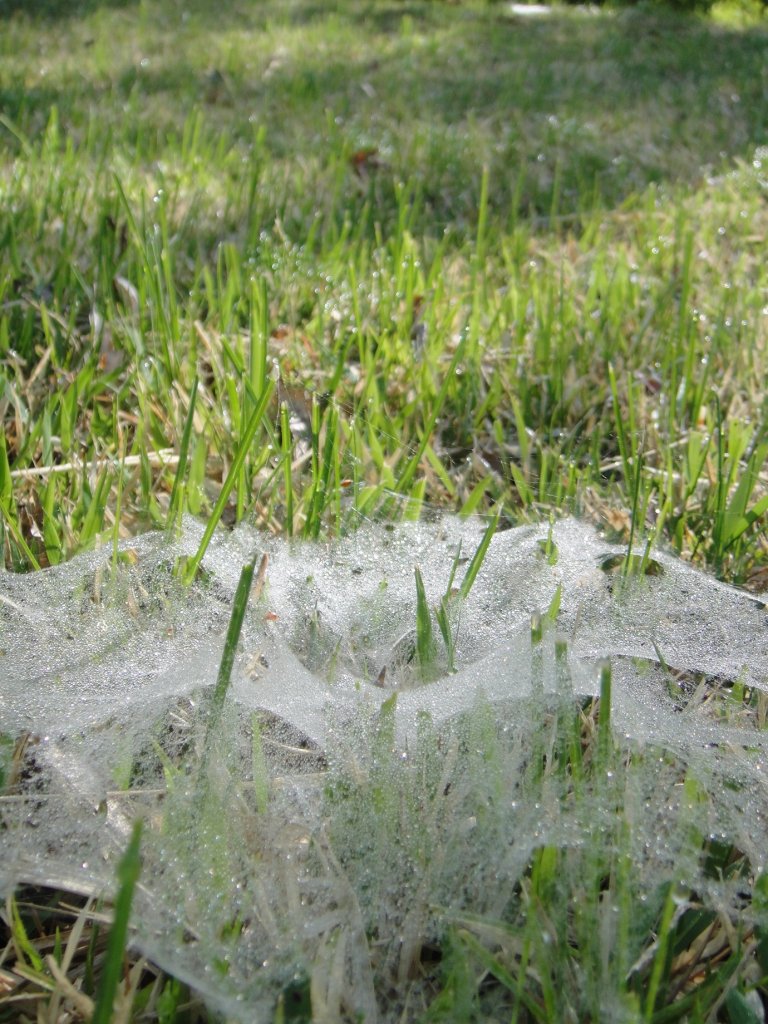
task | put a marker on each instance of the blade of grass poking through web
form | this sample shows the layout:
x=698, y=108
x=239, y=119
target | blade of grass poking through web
x=548, y=547
x=177, y=493
x=444, y=622
x=127, y=875
x=537, y=656
x=224, y=677
x=118, y=506
x=442, y=614
x=479, y=556
x=604, y=717
x=629, y=561
x=240, y=455
x=425, y=645
x=454, y=566
x=550, y=615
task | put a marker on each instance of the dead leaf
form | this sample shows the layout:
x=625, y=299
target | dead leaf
x=365, y=161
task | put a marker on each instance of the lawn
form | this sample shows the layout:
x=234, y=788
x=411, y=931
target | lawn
x=306, y=266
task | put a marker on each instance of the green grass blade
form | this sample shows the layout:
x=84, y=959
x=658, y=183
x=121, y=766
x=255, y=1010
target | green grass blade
x=118, y=509
x=619, y=422
x=452, y=576
x=740, y=524
x=22, y=940
x=404, y=481
x=128, y=871
x=173, y=511
x=18, y=536
x=192, y=566
x=6, y=481
x=635, y=515
x=287, y=450
x=470, y=506
x=524, y=492
x=444, y=622
x=322, y=466
x=550, y=615
x=479, y=556
x=660, y=963
x=259, y=337
x=224, y=678
x=234, y=629
x=739, y=517
x=425, y=644
x=482, y=220
x=18, y=134
x=604, y=735
x=513, y=983
x=93, y=521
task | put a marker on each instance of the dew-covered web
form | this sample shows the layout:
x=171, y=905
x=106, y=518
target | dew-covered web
x=338, y=830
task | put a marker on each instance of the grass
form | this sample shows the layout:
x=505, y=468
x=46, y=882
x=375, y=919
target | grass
x=152, y=227
x=306, y=265
x=127, y=875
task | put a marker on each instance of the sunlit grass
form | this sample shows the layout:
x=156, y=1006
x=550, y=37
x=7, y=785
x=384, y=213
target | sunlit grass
x=446, y=339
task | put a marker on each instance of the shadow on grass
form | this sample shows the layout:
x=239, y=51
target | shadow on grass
x=557, y=107
x=54, y=9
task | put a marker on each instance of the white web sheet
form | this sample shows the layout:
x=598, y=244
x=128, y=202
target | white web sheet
x=106, y=667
